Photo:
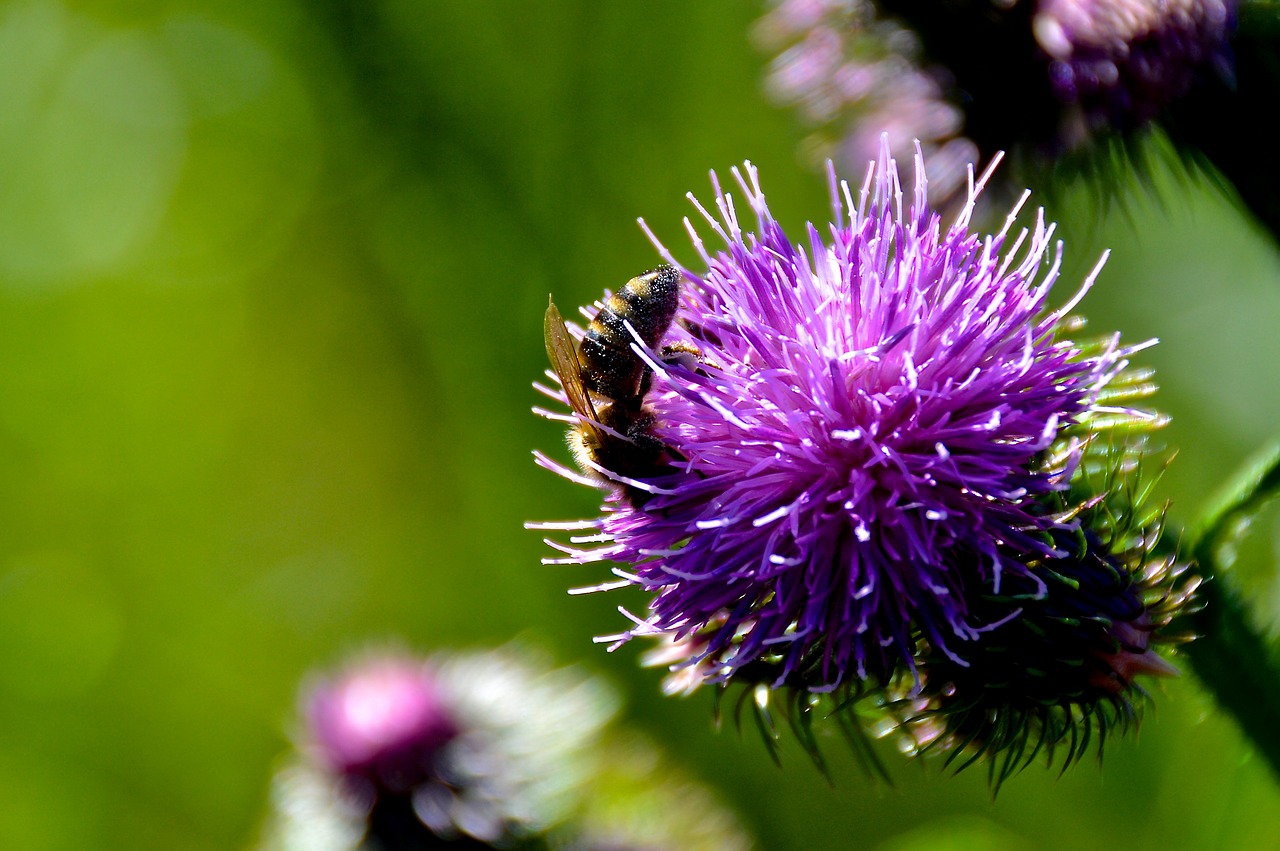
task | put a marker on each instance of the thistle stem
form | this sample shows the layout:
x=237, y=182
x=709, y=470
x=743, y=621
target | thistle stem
x=1238, y=665
x=1232, y=657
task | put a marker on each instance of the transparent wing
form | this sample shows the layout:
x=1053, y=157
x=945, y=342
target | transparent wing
x=564, y=360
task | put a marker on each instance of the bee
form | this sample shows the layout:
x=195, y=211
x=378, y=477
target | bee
x=605, y=380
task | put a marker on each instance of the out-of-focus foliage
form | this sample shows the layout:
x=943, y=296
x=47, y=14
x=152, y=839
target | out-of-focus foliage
x=271, y=285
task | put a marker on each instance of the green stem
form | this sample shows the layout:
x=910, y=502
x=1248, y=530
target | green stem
x=1232, y=656
x=1239, y=666
x=1253, y=485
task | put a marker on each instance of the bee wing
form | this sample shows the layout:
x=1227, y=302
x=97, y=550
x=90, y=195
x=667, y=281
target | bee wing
x=564, y=360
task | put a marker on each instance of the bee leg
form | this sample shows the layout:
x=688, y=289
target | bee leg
x=682, y=354
x=686, y=355
x=661, y=455
x=647, y=458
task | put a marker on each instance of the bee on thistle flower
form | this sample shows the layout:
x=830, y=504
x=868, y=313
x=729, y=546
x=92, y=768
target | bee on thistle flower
x=865, y=449
x=605, y=381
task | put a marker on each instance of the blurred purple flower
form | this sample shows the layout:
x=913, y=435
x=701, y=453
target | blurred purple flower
x=1121, y=62
x=976, y=76
x=854, y=75
x=865, y=442
x=467, y=749
x=383, y=722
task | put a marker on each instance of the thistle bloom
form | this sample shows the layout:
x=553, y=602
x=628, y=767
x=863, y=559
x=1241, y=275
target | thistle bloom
x=383, y=723
x=472, y=750
x=1119, y=63
x=852, y=75
x=1038, y=76
x=863, y=445
x=1060, y=669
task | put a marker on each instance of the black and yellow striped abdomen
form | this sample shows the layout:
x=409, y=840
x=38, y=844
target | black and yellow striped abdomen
x=648, y=302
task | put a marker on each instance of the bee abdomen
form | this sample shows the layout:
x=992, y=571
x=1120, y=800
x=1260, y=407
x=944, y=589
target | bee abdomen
x=648, y=302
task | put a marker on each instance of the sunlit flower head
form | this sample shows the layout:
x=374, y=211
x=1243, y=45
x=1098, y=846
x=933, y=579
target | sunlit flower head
x=862, y=444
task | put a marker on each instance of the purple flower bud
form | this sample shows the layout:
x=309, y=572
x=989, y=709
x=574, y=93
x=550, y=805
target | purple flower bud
x=852, y=75
x=480, y=750
x=382, y=722
x=1058, y=670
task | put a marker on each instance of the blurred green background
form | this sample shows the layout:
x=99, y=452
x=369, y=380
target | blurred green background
x=271, y=285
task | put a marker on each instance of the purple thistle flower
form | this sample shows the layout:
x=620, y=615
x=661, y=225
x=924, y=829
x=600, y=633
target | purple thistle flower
x=1041, y=77
x=1121, y=62
x=867, y=406
x=853, y=75
x=382, y=723
x=469, y=750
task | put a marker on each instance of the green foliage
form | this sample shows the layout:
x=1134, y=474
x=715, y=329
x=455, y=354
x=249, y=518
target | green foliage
x=271, y=285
